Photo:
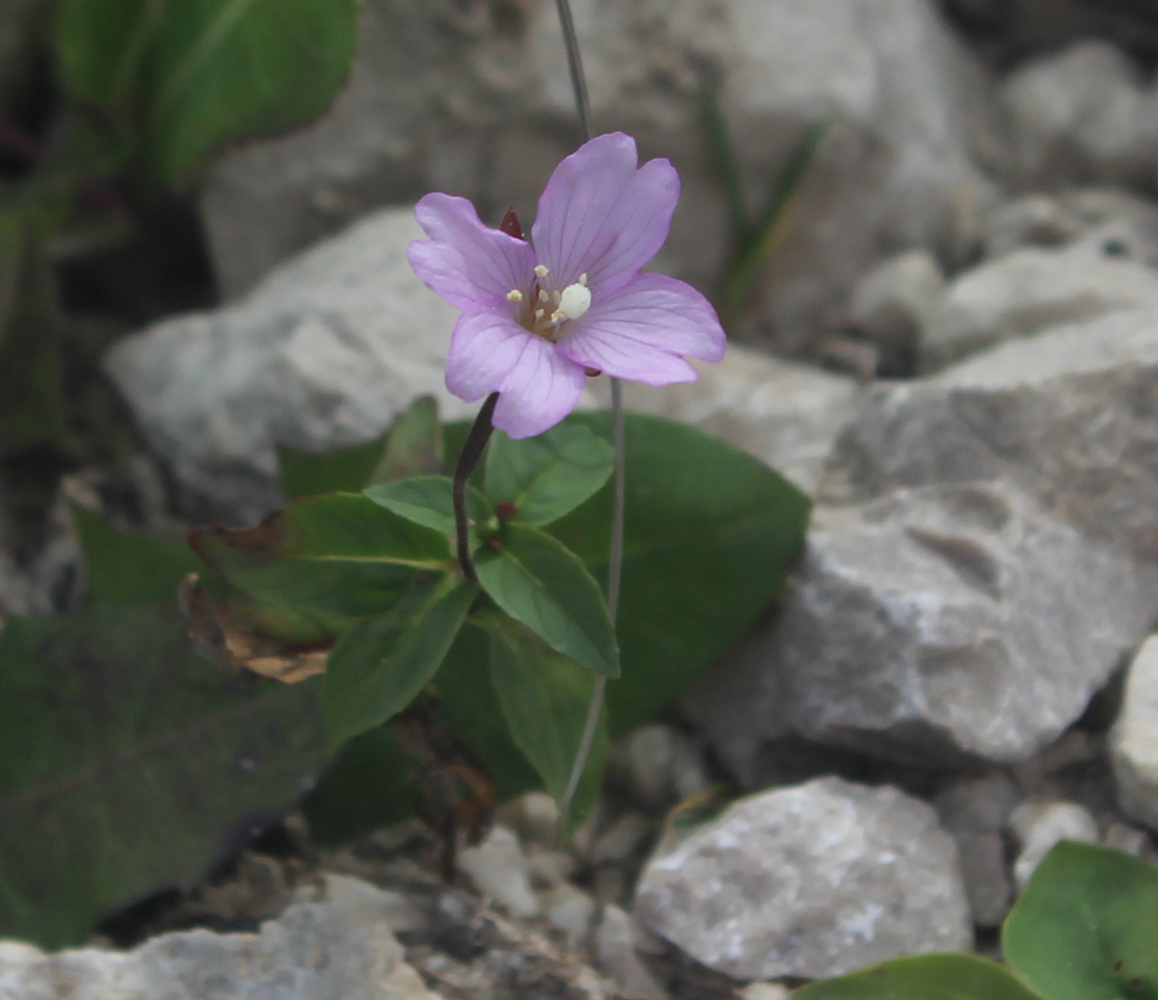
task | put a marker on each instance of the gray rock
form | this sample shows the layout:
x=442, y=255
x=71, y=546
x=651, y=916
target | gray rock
x=1028, y=470
x=1031, y=290
x=1040, y=826
x=323, y=354
x=975, y=811
x=569, y=910
x=1083, y=115
x=313, y=951
x=784, y=413
x=657, y=766
x=934, y=625
x=497, y=868
x=615, y=947
x=810, y=881
x=1134, y=739
x=894, y=301
x=461, y=99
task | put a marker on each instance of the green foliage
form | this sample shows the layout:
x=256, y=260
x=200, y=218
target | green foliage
x=428, y=500
x=545, y=697
x=381, y=665
x=538, y=582
x=341, y=554
x=1086, y=926
x=178, y=80
x=545, y=477
x=927, y=977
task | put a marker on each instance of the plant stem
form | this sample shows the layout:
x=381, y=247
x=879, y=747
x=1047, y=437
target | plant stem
x=476, y=441
x=615, y=558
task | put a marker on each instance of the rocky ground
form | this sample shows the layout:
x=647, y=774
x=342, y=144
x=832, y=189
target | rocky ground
x=955, y=352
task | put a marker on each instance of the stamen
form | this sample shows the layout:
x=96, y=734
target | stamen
x=583, y=279
x=541, y=270
x=544, y=297
x=514, y=295
x=575, y=301
x=539, y=313
x=558, y=316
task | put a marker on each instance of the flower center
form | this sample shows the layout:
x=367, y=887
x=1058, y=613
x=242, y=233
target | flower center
x=545, y=313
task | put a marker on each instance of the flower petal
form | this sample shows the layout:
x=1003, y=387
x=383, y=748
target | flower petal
x=540, y=390
x=484, y=349
x=463, y=261
x=601, y=216
x=642, y=331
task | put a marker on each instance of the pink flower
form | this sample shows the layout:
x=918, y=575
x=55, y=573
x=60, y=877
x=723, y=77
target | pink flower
x=538, y=315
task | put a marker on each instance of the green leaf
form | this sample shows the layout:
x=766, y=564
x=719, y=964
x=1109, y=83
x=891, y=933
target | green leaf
x=128, y=764
x=380, y=666
x=545, y=698
x=1086, y=926
x=314, y=474
x=32, y=407
x=709, y=535
x=927, y=977
x=428, y=500
x=339, y=554
x=536, y=581
x=131, y=567
x=413, y=446
x=368, y=786
x=468, y=705
x=547, y=476
x=194, y=75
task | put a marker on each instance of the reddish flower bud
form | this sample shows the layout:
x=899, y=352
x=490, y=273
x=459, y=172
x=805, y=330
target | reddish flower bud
x=506, y=510
x=493, y=542
x=511, y=225
x=593, y=372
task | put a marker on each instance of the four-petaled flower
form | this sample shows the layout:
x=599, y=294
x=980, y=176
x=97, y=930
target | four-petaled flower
x=538, y=315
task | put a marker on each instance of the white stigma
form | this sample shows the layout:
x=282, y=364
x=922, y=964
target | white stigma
x=541, y=270
x=575, y=301
x=514, y=295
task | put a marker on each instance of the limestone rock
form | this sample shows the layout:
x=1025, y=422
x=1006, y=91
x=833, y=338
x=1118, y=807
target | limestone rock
x=784, y=413
x=657, y=766
x=1134, y=738
x=324, y=353
x=982, y=559
x=813, y=880
x=893, y=302
x=497, y=868
x=1031, y=290
x=934, y=625
x=1083, y=115
x=1040, y=826
x=342, y=950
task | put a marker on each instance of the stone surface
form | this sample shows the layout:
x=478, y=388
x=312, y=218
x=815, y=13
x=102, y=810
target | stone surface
x=1080, y=116
x=1040, y=826
x=813, y=880
x=657, y=766
x=615, y=948
x=1031, y=290
x=474, y=98
x=340, y=950
x=324, y=353
x=893, y=302
x=497, y=868
x=983, y=558
x=975, y=812
x=784, y=413
x=1134, y=738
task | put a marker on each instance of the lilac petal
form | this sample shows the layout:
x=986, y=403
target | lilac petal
x=540, y=390
x=463, y=261
x=484, y=349
x=643, y=331
x=601, y=216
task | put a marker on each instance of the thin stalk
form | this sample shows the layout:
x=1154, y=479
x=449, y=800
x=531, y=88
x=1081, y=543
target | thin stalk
x=476, y=441
x=615, y=558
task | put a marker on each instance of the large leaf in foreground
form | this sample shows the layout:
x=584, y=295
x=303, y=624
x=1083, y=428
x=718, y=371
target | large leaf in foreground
x=538, y=582
x=380, y=665
x=545, y=698
x=1086, y=926
x=128, y=764
x=340, y=554
x=927, y=977
x=710, y=533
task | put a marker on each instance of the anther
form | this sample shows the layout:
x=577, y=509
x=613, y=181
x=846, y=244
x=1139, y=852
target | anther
x=541, y=270
x=514, y=295
x=544, y=297
x=583, y=279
